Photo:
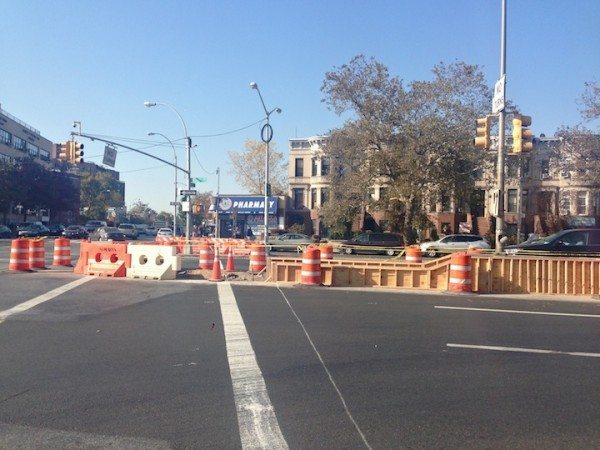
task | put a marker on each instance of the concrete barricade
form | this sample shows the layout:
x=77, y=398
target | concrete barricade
x=155, y=262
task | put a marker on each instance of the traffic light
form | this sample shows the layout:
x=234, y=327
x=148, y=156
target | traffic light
x=482, y=133
x=77, y=153
x=522, y=136
x=196, y=209
x=64, y=151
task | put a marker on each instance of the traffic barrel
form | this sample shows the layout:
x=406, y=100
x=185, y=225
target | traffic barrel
x=206, y=256
x=326, y=251
x=62, y=252
x=311, y=266
x=19, y=255
x=37, y=254
x=460, y=273
x=258, y=258
x=216, y=273
x=413, y=254
x=230, y=263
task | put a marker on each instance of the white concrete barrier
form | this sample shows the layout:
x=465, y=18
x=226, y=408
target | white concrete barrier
x=155, y=262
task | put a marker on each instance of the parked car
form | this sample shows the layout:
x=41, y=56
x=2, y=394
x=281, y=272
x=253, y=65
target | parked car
x=55, y=229
x=151, y=231
x=108, y=234
x=93, y=225
x=32, y=230
x=129, y=230
x=452, y=243
x=164, y=233
x=381, y=243
x=577, y=241
x=5, y=232
x=289, y=242
x=76, y=232
x=141, y=228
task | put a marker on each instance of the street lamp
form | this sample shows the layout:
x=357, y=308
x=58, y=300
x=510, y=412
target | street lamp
x=266, y=134
x=188, y=147
x=175, y=202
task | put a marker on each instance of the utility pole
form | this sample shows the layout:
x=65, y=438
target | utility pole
x=501, y=120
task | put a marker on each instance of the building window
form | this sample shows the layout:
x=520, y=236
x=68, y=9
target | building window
x=44, y=155
x=524, y=202
x=313, y=167
x=5, y=137
x=581, y=202
x=526, y=166
x=545, y=169
x=19, y=143
x=298, y=198
x=324, y=196
x=445, y=200
x=33, y=149
x=313, y=198
x=299, y=169
x=512, y=201
x=324, y=166
x=565, y=202
x=383, y=193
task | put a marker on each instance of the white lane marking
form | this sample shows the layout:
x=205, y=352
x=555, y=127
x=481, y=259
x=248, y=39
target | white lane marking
x=257, y=421
x=524, y=350
x=348, y=413
x=515, y=311
x=42, y=298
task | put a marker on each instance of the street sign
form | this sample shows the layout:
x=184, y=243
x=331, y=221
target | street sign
x=266, y=133
x=110, y=156
x=188, y=192
x=175, y=203
x=498, y=101
x=201, y=179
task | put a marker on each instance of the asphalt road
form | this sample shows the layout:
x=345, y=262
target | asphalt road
x=121, y=363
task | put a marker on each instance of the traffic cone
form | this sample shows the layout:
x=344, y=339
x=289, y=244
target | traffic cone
x=230, y=264
x=216, y=273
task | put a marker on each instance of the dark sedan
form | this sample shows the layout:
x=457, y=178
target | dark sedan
x=6, y=233
x=107, y=234
x=55, y=229
x=76, y=232
x=32, y=230
x=583, y=241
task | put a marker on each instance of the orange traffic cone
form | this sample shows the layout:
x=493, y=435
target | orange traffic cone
x=230, y=263
x=216, y=273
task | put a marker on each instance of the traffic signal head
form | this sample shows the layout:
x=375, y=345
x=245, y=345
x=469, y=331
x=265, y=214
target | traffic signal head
x=64, y=151
x=482, y=133
x=522, y=136
x=77, y=153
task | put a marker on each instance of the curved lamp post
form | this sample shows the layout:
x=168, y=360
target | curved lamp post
x=266, y=136
x=188, y=147
x=175, y=202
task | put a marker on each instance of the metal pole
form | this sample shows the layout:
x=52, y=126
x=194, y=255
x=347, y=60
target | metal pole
x=266, y=239
x=500, y=160
x=519, y=197
x=217, y=224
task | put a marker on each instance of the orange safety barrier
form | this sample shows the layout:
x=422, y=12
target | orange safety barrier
x=326, y=251
x=207, y=254
x=413, y=254
x=107, y=259
x=258, y=258
x=82, y=262
x=62, y=252
x=19, y=255
x=311, y=266
x=460, y=273
x=37, y=254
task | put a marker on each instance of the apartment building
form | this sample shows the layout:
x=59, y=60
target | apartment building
x=551, y=195
x=19, y=140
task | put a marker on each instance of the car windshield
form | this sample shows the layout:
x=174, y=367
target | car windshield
x=546, y=239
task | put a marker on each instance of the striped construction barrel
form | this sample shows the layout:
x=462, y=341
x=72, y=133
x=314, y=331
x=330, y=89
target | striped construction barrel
x=206, y=256
x=311, y=266
x=19, y=255
x=413, y=254
x=62, y=252
x=326, y=251
x=37, y=254
x=460, y=273
x=258, y=258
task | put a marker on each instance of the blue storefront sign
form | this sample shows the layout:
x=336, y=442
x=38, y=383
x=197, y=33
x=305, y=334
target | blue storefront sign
x=246, y=205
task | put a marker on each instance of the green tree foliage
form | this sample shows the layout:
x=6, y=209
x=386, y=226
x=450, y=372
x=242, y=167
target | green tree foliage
x=248, y=168
x=98, y=192
x=417, y=140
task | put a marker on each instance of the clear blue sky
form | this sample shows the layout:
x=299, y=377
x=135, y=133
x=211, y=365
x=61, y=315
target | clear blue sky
x=97, y=61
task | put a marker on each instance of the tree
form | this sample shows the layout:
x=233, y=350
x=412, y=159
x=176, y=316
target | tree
x=98, y=192
x=590, y=100
x=248, y=168
x=417, y=141
x=140, y=212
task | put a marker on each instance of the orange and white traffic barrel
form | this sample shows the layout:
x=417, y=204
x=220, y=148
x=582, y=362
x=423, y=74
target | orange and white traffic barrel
x=19, y=255
x=62, y=252
x=413, y=254
x=37, y=254
x=258, y=258
x=460, y=273
x=311, y=266
x=206, y=256
x=326, y=251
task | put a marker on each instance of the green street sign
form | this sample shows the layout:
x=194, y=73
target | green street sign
x=201, y=179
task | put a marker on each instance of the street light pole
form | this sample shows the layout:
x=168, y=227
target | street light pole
x=175, y=200
x=217, y=224
x=188, y=148
x=266, y=136
x=500, y=158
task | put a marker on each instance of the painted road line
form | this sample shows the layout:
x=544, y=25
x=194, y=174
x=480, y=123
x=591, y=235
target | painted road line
x=21, y=307
x=341, y=397
x=524, y=350
x=257, y=422
x=515, y=311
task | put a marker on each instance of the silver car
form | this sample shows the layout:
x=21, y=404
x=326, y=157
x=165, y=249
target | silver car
x=129, y=230
x=452, y=243
x=290, y=242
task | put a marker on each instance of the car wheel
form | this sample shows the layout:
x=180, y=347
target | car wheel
x=431, y=253
x=390, y=252
x=348, y=251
